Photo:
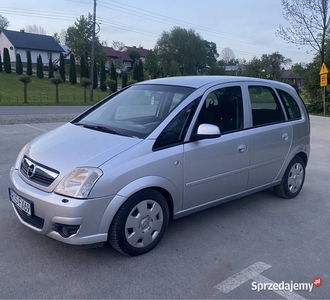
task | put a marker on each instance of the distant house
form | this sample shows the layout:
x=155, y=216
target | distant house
x=142, y=52
x=21, y=42
x=288, y=76
x=113, y=55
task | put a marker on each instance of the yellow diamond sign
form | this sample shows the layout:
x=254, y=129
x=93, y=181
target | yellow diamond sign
x=324, y=69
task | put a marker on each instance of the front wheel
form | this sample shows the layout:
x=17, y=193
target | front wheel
x=140, y=223
x=293, y=179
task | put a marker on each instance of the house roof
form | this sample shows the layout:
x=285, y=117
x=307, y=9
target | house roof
x=110, y=52
x=288, y=74
x=24, y=40
x=140, y=50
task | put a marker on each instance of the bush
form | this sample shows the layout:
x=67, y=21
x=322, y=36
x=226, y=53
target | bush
x=131, y=82
x=112, y=84
x=6, y=61
x=29, y=64
x=315, y=106
x=73, y=74
x=19, y=66
x=124, y=81
x=62, y=67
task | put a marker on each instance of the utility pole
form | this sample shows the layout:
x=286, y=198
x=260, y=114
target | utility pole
x=93, y=54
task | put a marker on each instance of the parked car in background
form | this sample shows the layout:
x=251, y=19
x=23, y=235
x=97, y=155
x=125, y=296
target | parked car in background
x=46, y=66
x=159, y=150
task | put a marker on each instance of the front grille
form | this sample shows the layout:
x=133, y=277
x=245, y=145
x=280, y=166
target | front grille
x=37, y=173
x=32, y=220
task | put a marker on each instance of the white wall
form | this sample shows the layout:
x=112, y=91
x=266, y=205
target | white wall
x=5, y=43
x=34, y=55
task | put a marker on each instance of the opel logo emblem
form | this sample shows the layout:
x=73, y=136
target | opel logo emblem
x=31, y=171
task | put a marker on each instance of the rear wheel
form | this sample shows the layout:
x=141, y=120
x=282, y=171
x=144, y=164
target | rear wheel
x=140, y=223
x=293, y=179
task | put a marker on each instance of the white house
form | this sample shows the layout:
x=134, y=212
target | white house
x=21, y=42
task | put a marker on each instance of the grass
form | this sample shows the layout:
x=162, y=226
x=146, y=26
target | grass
x=42, y=92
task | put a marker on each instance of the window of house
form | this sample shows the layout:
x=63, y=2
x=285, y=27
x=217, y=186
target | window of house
x=266, y=108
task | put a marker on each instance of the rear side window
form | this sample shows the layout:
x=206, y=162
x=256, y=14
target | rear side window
x=291, y=106
x=266, y=108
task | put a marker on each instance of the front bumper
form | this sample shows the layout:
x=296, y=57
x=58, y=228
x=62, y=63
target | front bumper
x=50, y=210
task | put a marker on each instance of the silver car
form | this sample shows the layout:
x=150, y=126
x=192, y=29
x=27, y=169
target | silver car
x=160, y=150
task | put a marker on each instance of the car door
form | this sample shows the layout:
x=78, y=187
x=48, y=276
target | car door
x=215, y=168
x=271, y=135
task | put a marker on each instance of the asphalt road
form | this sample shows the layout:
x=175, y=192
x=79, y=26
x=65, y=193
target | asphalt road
x=256, y=238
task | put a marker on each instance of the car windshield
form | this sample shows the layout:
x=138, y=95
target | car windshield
x=136, y=111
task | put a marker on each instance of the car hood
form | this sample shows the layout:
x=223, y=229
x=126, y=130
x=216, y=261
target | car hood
x=71, y=146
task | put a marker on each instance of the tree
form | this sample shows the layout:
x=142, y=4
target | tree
x=60, y=37
x=0, y=64
x=182, y=49
x=37, y=29
x=73, y=74
x=83, y=68
x=215, y=69
x=50, y=68
x=19, y=65
x=118, y=45
x=62, y=67
x=79, y=39
x=95, y=79
x=254, y=68
x=152, y=63
x=124, y=80
x=135, y=71
x=273, y=63
x=4, y=23
x=133, y=54
x=25, y=79
x=56, y=80
x=40, y=71
x=112, y=84
x=227, y=56
x=103, y=87
x=141, y=73
x=211, y=52
x=85, y=82
x=6, y=61
x=113, y=76
x=309, y=23
x=28, y=64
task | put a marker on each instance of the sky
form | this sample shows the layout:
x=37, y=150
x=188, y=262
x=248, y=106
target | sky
x=247, y=27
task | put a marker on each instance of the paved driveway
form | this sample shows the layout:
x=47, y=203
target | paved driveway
x=217, y=253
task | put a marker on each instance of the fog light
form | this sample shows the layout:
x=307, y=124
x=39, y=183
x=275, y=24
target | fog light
x=65, y=230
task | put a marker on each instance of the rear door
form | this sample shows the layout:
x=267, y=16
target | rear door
x=271, y=135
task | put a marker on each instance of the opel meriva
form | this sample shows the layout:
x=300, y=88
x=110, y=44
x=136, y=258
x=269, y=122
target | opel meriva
x=158, y=150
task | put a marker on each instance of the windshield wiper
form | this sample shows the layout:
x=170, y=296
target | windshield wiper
x=100, y=128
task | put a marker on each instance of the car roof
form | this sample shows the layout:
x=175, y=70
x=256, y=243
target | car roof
x=201, y=80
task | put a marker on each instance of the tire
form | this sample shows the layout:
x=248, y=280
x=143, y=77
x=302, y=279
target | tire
x=140, y=223
x=293, y=179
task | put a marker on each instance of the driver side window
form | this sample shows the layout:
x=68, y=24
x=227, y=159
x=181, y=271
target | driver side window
x=223, y=108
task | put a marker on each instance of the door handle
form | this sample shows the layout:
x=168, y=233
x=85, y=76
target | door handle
x=285, y=136
x=242, y=148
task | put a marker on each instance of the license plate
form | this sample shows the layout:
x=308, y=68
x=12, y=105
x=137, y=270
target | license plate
x=20, y=202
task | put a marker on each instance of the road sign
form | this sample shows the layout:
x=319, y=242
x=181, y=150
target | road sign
x=324, y=69
x=323, y=80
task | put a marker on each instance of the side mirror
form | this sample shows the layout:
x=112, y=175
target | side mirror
x=207, y=131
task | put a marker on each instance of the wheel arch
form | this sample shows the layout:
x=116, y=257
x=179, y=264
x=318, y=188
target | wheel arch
x=168, y=190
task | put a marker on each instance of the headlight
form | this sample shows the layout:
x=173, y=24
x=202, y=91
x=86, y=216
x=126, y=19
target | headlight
x=19, y=157
x=79, y=182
